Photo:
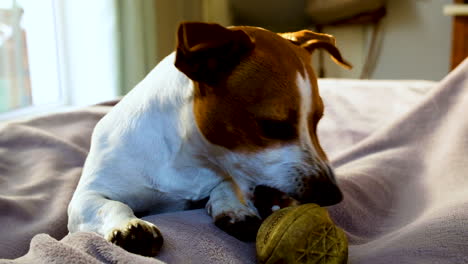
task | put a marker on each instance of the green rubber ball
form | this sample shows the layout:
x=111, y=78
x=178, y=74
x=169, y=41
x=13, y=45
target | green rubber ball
x=301, y=234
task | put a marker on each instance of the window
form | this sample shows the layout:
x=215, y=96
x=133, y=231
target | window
x=29, y=72
x=56, y=53
x=15, y=83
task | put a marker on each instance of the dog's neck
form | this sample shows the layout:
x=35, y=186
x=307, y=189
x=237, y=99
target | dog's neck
x=165, y=102
x=165, y=88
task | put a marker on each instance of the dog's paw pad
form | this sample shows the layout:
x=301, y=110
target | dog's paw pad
x=139, y=237
x=244, y=228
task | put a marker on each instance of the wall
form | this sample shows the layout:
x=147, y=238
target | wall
x=416, y=42
x=169, y=13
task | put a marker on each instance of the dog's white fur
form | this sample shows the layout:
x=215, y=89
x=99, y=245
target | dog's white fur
x=148, y=154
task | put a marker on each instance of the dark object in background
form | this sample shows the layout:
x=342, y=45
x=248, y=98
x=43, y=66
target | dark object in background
x=275, y=15
x=283, y=16
x=338, y=11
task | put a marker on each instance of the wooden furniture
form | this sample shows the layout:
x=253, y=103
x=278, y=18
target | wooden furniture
x=459, y=11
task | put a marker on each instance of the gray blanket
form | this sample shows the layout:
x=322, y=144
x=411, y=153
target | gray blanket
x=405, y=184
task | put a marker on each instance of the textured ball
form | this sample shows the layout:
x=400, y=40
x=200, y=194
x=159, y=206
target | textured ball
x=301, y=234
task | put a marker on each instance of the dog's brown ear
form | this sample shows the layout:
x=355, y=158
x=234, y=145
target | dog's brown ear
x=208, y=52
x=312, y=40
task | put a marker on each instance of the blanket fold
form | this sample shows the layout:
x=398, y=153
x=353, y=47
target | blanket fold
x=80, y=248
x=406, y=186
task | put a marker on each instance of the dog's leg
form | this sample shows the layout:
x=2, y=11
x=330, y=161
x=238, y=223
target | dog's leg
x=116, y=222
x=232, y=213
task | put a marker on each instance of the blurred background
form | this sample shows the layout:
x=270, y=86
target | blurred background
x=56, y=53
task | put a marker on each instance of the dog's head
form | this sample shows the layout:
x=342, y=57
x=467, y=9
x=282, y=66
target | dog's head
x=256, y=98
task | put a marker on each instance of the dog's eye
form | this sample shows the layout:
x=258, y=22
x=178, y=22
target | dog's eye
x=276, y=129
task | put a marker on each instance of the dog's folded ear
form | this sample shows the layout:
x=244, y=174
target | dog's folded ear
x=312, y=41
x=208, y=52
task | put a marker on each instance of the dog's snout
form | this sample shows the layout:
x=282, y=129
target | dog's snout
x=320, y=188
x=326, y=194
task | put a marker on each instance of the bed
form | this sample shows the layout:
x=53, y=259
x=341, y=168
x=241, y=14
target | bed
x=400, y=150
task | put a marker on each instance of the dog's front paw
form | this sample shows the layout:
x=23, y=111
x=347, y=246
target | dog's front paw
x=242, y=226
x=139, y=237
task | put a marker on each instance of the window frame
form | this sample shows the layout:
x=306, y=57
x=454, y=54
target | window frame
x=43, y=44
x=78, y=82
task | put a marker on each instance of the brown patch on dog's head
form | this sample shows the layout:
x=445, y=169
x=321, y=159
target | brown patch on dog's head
x=245, y=78
x=208, y=53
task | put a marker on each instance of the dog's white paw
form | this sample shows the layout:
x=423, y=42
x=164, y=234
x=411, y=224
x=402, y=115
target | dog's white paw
x=137, y=236
x=241, y=221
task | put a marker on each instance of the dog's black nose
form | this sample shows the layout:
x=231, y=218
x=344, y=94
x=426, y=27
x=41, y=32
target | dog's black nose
x=322, y=189
x=325, y=194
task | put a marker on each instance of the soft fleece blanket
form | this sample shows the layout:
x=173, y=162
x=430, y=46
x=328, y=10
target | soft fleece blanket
x=403, y=171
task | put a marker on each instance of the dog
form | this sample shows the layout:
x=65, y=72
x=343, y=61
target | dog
x=230, y=110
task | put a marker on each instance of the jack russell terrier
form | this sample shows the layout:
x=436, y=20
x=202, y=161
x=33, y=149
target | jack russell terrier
x=230, y=110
